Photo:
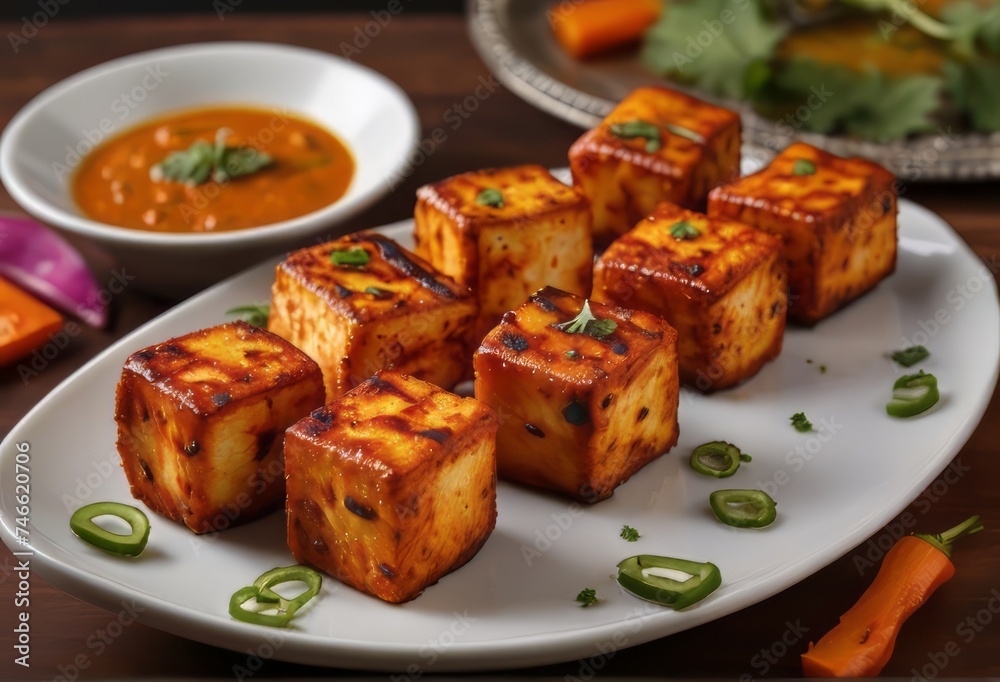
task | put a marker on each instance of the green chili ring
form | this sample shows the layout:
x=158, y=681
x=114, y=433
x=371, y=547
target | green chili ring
x=640, y=575
x=82, y=523
x=270, y=600
x=717, y=458
x=913, y=394
x=743, y=508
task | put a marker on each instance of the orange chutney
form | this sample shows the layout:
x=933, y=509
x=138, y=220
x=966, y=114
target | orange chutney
x=310, y=168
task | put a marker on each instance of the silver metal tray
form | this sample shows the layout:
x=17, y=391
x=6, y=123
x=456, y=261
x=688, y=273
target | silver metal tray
x=513, y=38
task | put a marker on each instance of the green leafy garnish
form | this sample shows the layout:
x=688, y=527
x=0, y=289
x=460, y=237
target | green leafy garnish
x=203, y=160
x=356, y=257
x=974, y=86
x=682, y=230
x=731, y=62
x=586, y=323
x=868, y=104
x=633, y=129
x=629, y=534
x=490, y=197
x=252, y=314
x=587, y=597
x=800, y=422
x=376, y=292
x=910, y=356
x=572, y=355
x=803, y=167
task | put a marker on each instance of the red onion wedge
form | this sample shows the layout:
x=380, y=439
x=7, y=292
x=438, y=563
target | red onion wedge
x=40, y=261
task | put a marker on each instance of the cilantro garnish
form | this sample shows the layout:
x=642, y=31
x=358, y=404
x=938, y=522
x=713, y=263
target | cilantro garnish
x=252, y=314
x=683, y=230
x=801, y=423
x=356, y=256
x=587, y=597
x=629, y=534
x=586, y=323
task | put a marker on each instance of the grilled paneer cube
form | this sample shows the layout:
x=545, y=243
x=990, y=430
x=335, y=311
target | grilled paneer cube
x=582, y=404
x=721, y=284
x=656, y=145
x=506, y=233
x=835, y=216
x=363, y=303
x=391, y=486
x=201, y=418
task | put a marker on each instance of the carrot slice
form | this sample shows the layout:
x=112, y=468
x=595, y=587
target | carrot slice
x=587, y=27
x=861, y=644
x=25, y=322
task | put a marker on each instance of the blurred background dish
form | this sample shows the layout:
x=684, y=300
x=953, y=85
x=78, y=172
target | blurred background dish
x=515, y=39
x=51, y=136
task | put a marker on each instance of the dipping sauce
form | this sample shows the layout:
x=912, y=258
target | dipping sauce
x=309, y=169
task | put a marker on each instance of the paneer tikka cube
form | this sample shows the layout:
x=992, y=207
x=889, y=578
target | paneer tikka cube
x=201, y=419
x=363, y=303
x=656, y=145
x=506, y=233
x=721, y=284
x=582, y=404
x=392, y=485
x=836, y=218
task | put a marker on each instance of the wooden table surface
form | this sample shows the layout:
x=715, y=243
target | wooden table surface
x=431, y=58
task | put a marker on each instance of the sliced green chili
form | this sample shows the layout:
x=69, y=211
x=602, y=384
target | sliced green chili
x=913, y=394
x=268, y=600
x=717, y=458
x=83, y=524
x=743, y=508
x=676, y=583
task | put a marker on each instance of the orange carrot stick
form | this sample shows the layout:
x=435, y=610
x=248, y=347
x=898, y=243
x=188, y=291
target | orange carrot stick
x=861, y=644
x=586, y=27
x=25, y=322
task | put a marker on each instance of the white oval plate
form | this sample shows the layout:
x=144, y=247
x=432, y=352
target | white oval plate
x=513, y=604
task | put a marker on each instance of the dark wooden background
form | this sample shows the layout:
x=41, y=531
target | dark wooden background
x=430, y=56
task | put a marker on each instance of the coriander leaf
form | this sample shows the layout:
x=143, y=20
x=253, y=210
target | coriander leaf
x=572, y=355
x=491, y=197
x=683, y=230
x=586, y=323
x=629, y=534
x=910, y=356
x=630, y=130
x=803, y=167
x=253, y=314
x=867, y=104
x=356, y=256
x=974, y=87
x=673, y=46
x=801, y=423
x=971, y=23
x=901, y=107
x=204, y=160
x=587, y=597
x=376, y=292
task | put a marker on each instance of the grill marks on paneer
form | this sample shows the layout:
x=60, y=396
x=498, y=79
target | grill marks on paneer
x=392, y=485
x=570, y=400
x=402, y=313
x=837, y=224
x=198, y=422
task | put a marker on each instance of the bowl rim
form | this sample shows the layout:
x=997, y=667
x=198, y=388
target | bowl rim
x=300, y=226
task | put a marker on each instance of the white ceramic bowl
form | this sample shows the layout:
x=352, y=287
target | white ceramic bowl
x=44, y=142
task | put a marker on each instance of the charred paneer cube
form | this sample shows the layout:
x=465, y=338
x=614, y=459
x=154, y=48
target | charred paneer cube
x=656, y=145
x=836, y=218
x=201, y=419
x=721, y=284
x=506, y=233
x=586, y=393
x=392, y=485
x=363, y=303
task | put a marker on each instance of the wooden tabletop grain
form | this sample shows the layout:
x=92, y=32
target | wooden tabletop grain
x=956, y=634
